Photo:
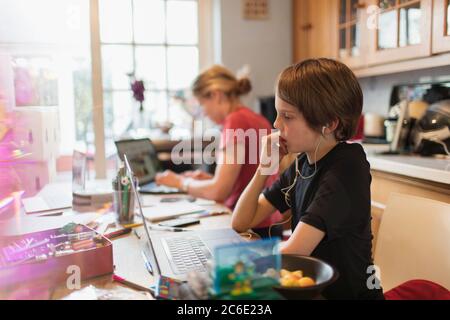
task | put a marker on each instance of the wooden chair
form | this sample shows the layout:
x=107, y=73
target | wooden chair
x=413, y=241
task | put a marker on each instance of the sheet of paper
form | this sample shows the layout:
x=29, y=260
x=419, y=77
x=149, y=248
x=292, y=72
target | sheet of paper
x=170, y=210
x=204, y=202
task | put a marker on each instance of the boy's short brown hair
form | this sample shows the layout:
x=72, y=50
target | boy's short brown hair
x=323, y=90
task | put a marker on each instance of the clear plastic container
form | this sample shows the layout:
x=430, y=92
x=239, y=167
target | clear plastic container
x=124, y=206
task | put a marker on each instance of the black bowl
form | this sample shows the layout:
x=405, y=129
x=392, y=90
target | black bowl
x=322, y=273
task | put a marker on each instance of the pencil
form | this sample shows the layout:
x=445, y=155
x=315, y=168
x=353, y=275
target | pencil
x=132, y=225
x=117, y=233
x=127, y=283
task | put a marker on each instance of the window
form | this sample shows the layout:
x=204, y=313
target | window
x=349, y=29
x=46, y=45
x=157, y=42
x=399, y=23
x=447, y=21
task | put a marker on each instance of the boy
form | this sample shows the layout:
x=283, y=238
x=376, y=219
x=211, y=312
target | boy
x=326, y=191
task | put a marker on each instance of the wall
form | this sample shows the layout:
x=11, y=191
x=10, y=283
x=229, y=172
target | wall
x=266, y=45
x=377, y=90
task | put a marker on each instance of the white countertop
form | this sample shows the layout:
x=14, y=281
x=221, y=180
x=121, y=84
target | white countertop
x=426, y=168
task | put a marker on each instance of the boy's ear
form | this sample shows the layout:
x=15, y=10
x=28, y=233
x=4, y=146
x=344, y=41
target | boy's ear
x=331, y=127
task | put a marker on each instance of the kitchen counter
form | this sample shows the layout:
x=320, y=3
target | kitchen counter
x=431, y=169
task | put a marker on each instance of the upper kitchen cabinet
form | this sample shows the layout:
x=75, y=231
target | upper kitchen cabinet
x=399, y=30
x=352, y=31
x=315, y=24
x=441, y=26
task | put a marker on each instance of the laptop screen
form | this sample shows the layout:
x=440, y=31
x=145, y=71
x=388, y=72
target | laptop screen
x=148, y=254
x=142, y=158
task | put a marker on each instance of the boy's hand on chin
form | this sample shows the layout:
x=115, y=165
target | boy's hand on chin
x=273, y=150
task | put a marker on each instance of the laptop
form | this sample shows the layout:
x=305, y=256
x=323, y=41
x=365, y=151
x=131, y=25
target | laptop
x=58, y=196
x=176, y=254
x=145, y=164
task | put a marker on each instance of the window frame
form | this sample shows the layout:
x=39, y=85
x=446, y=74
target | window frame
x=205, y=9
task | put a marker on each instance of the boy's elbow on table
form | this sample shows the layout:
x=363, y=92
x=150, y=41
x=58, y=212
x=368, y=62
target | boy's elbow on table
x=237, y=225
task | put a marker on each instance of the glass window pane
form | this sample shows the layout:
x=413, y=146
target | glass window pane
x=149, y=21
x=44, y=21
x=387, y=31
x=182, y=66
x=155, y=106
x=342, y=43
x=35, y=81
x=353, y=9
x=151, y=66
x=410, y=25
x=386, y=4
x=179, y=115
x=115, y=21
x=182, y=22
x=117, y=62
x=82, y=82
x=448, y=18
x=343, y=11
x=355, y=44
x=119, y=108
x=51, y=64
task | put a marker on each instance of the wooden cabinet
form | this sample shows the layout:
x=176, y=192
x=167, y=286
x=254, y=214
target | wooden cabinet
x=441, y=26
x=402, y=30
x=374, y=37
x=315, y=23
x=351, y=32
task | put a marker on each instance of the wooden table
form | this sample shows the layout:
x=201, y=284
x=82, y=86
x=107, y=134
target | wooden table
x=127, y=254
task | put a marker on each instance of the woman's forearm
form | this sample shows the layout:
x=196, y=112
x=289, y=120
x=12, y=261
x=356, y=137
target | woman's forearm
x=246, y=208
x=206, y=189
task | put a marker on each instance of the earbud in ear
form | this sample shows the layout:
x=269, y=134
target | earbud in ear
x=323, y=128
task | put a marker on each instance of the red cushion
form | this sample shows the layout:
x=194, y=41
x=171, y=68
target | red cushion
x=418, y=290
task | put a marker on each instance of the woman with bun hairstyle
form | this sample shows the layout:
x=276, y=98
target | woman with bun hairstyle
x=218, y=92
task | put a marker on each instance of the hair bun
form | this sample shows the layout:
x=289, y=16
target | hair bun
x=244, y=86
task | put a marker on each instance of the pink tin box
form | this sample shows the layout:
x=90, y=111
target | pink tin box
x=54, y=257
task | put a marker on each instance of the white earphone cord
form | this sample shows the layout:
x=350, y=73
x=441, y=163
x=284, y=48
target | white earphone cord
x=286, y=191
x=278, y=224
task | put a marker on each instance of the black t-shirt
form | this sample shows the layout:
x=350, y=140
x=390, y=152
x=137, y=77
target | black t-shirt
x=336, y=200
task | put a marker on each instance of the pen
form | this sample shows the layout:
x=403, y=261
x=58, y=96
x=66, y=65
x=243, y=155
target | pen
x=125, y=183
x=210, y=214
x=130, y=284
x=147, y=263
x=161, y=228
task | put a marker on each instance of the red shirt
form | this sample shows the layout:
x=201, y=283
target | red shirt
x=253, y=127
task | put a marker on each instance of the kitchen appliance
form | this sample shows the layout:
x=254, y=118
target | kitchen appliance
x=418, y=97
x=431, y=134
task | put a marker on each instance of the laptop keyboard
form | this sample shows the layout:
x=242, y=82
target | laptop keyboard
x=186, y=253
